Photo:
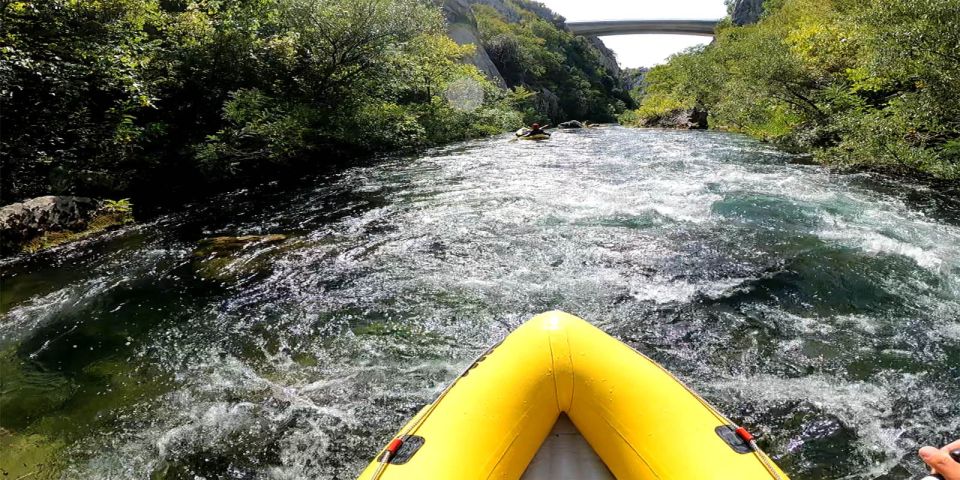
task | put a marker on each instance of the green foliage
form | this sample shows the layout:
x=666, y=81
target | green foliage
x=565, y=71
x=72, y=76
x=152, y=97
x=855, y=82
x=673, y=87
x=118, y=207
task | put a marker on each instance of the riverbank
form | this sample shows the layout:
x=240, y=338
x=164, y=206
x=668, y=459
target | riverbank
x=158, y=102
x=860, y=85
x=46, y=222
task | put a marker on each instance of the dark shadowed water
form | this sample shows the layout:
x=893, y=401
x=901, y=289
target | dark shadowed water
x=820, y=310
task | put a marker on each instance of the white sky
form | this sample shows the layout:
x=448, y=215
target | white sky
x=642, y=50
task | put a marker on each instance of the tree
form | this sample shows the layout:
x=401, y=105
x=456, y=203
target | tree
x=858, y=83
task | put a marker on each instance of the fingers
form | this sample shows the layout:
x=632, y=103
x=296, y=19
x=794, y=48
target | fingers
x=941, y=462
x=951, y=446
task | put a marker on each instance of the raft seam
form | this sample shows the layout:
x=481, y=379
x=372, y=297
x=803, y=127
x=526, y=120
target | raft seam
x=515, y=434
x=503, y=454
x=553, y=368
x=607, y=418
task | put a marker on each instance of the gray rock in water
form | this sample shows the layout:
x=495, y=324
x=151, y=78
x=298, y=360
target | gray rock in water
x=571, y=124
x=22, y=221
x=746, y=12
x=688, y=119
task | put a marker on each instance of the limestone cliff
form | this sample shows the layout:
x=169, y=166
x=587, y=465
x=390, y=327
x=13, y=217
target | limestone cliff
x=607, y=57
x=745, y=12
x=462, y=28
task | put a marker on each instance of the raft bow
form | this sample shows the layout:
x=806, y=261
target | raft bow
x=557, y=373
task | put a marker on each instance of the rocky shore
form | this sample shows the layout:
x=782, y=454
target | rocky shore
x=45, y=222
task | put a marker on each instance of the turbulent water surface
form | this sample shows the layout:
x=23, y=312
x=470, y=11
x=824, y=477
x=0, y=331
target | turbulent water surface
x=819, y=309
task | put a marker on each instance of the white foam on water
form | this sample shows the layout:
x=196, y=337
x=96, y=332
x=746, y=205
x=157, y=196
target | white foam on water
x=865, y=408
x=887, y=227
x=223, y=402
x=828, y=325
x=113, y=273
x=663, y=291
x=454, y=249
x=207, y=425
x=873, y=242
x=950, y=329
x=864, y=323
x=38, y=312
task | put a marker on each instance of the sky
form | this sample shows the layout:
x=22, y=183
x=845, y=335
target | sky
x=642, y=50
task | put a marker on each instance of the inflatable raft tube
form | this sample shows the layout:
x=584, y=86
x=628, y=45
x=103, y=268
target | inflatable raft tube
x=612, y=412
x=522, y=135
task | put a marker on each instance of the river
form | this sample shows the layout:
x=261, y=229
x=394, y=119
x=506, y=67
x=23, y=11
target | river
x=820, y=310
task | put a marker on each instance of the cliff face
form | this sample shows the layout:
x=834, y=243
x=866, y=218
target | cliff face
x=746, y=12
x=633, y=77
x=462, y=28
x=521, y=46
x=607, y=57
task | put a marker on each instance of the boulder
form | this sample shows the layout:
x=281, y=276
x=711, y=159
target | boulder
x=225, y=246
x=687, y=119
x=571, y=124
x=21, y=222
x=232, y=258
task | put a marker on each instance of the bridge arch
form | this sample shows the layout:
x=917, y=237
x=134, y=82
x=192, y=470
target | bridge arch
x=704, y=28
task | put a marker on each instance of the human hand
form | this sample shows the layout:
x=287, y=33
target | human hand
x=945, y=461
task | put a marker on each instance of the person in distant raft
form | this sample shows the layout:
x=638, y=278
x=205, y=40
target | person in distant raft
x=945, y=461
x=536, y=129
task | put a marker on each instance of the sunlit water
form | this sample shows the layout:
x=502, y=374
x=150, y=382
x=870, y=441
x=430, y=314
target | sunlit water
x=820, y=310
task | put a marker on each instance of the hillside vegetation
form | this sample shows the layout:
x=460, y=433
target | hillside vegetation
x=163, y=98
x=535, y=56
x=857, y=83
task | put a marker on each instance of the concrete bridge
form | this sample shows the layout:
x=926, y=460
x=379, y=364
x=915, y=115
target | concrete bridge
x=704, y=28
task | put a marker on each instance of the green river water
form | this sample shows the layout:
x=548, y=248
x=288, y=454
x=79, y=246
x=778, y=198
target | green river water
x=820, y=310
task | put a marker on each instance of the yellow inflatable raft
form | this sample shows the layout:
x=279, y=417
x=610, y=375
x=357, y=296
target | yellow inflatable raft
x=560, y=399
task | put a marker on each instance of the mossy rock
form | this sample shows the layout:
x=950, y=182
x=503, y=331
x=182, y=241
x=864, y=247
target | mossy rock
x=224, y=259
x=220, y=246
x=384, y=329
x=30, y=456
x=98, y=224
